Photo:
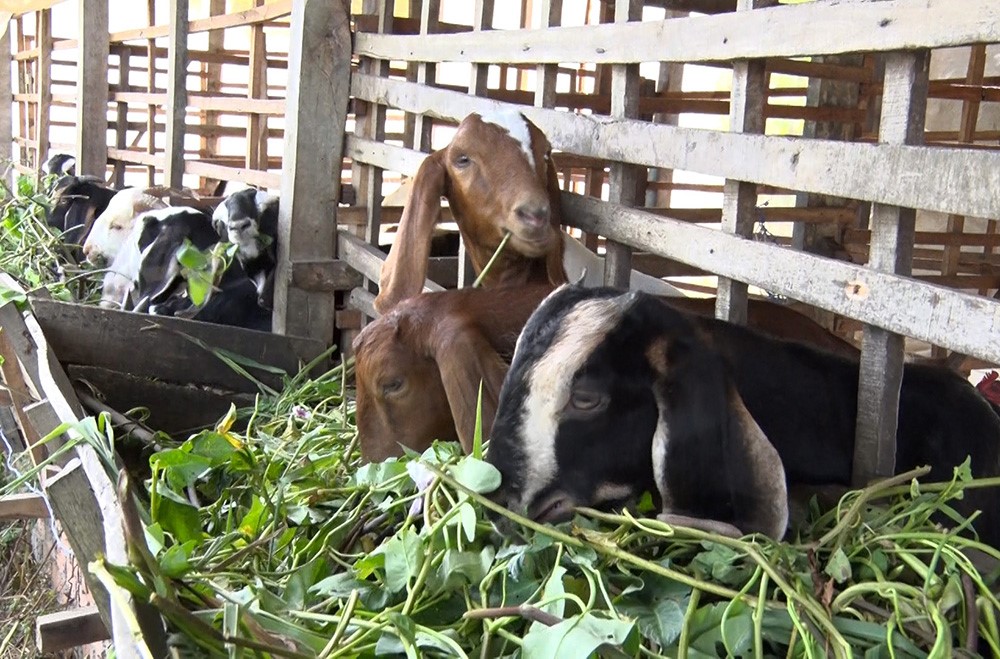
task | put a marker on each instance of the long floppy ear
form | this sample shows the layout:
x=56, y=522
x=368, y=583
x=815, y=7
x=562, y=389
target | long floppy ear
x=714, y=466
x=465, y=358
x=554, y=259
x=405, y=268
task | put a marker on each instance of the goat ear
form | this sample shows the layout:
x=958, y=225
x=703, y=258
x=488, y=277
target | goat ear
x=465, y=358
x=554, y=260
x=712, y=462
x=405, y=268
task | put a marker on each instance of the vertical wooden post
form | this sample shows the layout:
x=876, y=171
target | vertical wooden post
x=121, y=113
x=430, y=14
x=151, y=88
x=319, y=75
x=904, y=105
x=482, y=19
x=545, y=76
x=176, y=93
x=739, y=198
x=6, y=108
x=92, y=89
x=211, y=84
x=257, y=88
x=623, y=181
x=43, y=85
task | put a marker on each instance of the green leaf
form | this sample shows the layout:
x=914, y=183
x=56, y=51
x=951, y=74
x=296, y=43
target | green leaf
x=839, y=566
x=179, y=519
x=575, y=638
x=467, y=517
x=480, y=477
x=180, y=467
x=658, y=608
x=175, y=561
x=404, y=555
x=552, y=595
x=301, y=582
x=477, y=435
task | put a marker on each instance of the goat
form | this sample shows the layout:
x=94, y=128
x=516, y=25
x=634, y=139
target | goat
x=497, y=177
x=162, y=285
x=432, y=397
x=610, y=394
x=418, y=368
x=492, y=171
x=249, y=219
x=59, y=164
x=113, y=227
x=78, y=200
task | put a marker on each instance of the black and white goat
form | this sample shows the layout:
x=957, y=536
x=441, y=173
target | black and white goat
x=611, y=394
x=78, y=202
x=161, y=283
x=248, y=218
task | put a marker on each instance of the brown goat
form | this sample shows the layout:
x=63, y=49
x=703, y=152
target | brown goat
x=497, y=177
x=418, y=368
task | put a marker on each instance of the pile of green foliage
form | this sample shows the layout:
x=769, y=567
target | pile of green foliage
x=34, y=253
x=275, y=541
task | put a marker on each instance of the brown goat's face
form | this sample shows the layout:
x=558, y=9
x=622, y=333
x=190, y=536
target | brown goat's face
x=498, y=171
x=400, y=397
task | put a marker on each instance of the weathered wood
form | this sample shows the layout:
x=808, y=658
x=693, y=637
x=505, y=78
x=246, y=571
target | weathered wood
x=326, y=276
x=211, y=82
x=155, y=347
x=23, y=506
x=364, y=301
x=739, y=198
x=92, y=89
x=847, y=27
x=265, y=14
x=177, y=96
x=43, y=85
x=904, y=106
x=942, y=179
x=256, y=142
x=151, y=108
x=250, y=176
x=319, y=70
x=121, y=119
x=69, y=629
x=367, y=259
x=962, y=322
x=176, y=409
x=623, y=179
x=6, y=96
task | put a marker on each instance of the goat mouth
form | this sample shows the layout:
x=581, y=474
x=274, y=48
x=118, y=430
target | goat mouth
x=532, y=244
x=557, y=507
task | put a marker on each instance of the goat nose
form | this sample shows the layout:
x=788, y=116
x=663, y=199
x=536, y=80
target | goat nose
x=534, y=216
x=240, y=225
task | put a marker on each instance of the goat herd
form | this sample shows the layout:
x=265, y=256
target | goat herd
x=140, y=241
x=590, y=396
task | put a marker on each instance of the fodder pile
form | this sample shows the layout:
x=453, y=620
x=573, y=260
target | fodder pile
x=274, y=541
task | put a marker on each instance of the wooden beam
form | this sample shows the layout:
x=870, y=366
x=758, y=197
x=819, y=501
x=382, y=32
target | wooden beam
x=64, y=630
x=739, y=198
x=904, y=106
x=211, y=83
x=847, y=27
x=176, y=94
x=6, y=103
x=92, y=89
x=256, y=140
x=267, y=13
x=941, y=179
x=43, y=26
x=319, y=71
x=23, y=506
x=623, y=178
x=368, y=259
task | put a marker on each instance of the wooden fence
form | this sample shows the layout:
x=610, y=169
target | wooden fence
x=825, y=134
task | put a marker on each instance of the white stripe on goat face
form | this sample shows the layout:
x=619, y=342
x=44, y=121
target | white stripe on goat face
x=517, y=126
x=581, y=331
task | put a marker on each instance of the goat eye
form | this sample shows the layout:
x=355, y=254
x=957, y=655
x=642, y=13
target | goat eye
x=463, y=161
x=392, y=387
x=586, y=401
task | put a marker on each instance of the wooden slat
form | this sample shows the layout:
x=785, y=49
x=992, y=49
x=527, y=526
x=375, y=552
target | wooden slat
x=69, y=629
x=904, y=106
x=269, y=12
x=739, y=198
x=6, y=97
x=23, y=506
x=319, y=68
x=367, y=259
x=224, y=173
x=137, y=157
x=958, y=321
x=43, y=25
x=942, y=179
x=783, y=31
x=92, y=89
x=176, y=94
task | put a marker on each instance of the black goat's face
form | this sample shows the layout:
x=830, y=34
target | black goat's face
x=611, y=394
x=576, y=413
x=237, y=219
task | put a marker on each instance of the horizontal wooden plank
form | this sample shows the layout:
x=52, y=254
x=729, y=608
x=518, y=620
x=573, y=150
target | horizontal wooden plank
x=270, y=180
x=23, y=506
x=154, y=346
x=264, y=14
x=69, y=629
x=781, y=31
x=367, y=259
x=137, y=157
x=943, y=179
x=329, y=276
x=966, y=323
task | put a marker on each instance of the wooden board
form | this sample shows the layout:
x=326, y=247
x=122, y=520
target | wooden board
x=153, y=347
x=784, y=31
x=69, y=629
